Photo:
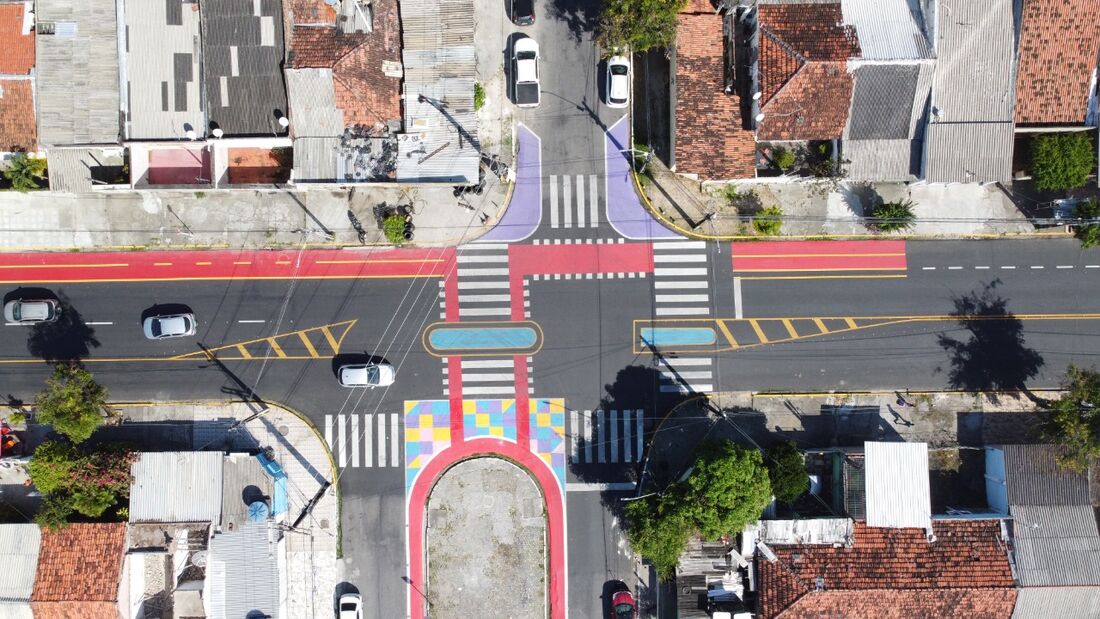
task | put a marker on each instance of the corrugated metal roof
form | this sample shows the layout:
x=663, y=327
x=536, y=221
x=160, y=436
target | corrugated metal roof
x=242, y=574
x=1062, y=602
x=810, y=531
x=1056, y=545
x=882, y=160
x=312, y=101
x=161, y=66
x=315, y=160
x=177, y=487
x=883, y=98
x=968, y=152
x=77, y=76
x=19, y=546
x=72, y=169
x=897, y=481
x=1034, y=477
x=888, y=29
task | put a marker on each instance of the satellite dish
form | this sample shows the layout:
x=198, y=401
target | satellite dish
x=258, y=511
x=218, y=132
x=760, y=117
x=191, y=135
x=332, y=2
x=756, y=95
x=284, y=122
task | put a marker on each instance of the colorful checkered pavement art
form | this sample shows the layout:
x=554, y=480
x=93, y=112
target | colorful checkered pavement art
x=548, y=434
x=489, y=418
x=427, y=432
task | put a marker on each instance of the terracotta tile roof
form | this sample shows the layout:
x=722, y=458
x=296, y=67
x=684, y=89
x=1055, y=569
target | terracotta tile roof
x=811, y=106
x=801, y=46
x=309, y=12
x=80, y=563
x=1058, y=51
x=16, y=49
x=904, y=604
x=699, y=6
x=967, y=554
x=710, y=140
x=364, y=93
x=18, y=130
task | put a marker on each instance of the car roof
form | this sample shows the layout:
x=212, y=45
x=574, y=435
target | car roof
x=526, y=44
x=173, y=324
x=34, y=310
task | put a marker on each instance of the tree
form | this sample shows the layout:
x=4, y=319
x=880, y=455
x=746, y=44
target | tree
x=768, y=221
x=72, y=402
x=394, y=228
x=1074, y=419
x=784, y=158
x=85, y=482
x=638, y=25
x=1062, y=160
x=1088, y=234
x=728, y=487
x=787, y=471
x=893, y=216
x=25, y=173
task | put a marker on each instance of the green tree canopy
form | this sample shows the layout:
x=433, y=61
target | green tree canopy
x=638, y=25
x=72, y=402
x=74, y=480
x=728, y=487
x=1088, y=233
x=1062, y=160
x=1074, y=419
x=787, y=471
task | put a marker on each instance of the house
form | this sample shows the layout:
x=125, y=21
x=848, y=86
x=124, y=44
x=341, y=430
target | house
x=709, y=140
x=17, y=118
x=970, y=121
x=344, y=88
x=19, y=548
x=80, y=572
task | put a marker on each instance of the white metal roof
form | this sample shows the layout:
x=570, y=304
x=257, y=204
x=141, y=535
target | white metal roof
x=177, y=487
x=897, y=486
x=888, y=29
x=810, y=531
x=19, y=546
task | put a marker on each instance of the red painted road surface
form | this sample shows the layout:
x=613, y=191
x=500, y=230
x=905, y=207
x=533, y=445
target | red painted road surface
x=524, y=260
x=776, y=256
x=228, y=264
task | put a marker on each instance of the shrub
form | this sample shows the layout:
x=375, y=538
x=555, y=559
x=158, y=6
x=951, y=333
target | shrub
x=25, y=173
x=479, y=96
x=768, y=221
x=72, y=402
x=1088, y=233
x=85, y=482
x=784, y=158
x=1062, y=160
x=394, y=228
x=893, y=216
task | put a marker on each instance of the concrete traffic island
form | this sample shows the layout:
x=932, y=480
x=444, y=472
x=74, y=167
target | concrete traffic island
x=486, y=542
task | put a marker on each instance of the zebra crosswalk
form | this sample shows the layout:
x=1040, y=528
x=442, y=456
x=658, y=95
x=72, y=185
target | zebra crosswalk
x=686, y=374
x=487, y=377
x=573, y=200
x=483, y=282
x=606, y=437
x=360, y=440
x=681, y=286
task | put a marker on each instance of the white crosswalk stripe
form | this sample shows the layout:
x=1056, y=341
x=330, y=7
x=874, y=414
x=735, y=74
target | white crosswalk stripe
x=606, y=437
x=365, y=441
x=681, y=281
x=573, y=200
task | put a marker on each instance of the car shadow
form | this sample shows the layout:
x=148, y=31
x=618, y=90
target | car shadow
x=357, y=358
x=68, y=338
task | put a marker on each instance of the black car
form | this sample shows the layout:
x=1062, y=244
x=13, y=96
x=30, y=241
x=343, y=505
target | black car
x=523, y=12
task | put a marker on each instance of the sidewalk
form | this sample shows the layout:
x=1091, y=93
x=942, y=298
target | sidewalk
x=813, y=207
x=249, y=219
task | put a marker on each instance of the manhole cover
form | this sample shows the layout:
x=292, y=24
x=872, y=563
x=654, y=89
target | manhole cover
x=284, y=430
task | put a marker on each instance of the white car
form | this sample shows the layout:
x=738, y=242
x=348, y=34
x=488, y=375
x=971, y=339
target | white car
x=351, y=606
x=369, y=375
x=618, y=81
x=163, y=327
x=30, y=312
x=526, y=91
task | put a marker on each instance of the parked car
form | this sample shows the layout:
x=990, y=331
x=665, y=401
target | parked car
x=523, y=12
x=164, y=327
x=351, y=606
x=31, y=311
x=369, y=375
x=618, y=81
x=622, y=605
x=525, y=73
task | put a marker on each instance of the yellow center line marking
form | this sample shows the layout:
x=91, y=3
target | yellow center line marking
x=820, y=325
x=790, y=328
x=309, y=345
x=65, y=266
x=282, y=262
x=759, y=332
x=851, y=323
x=162, y=264
x=331, y=340
x=202, y=264
x=393, y=261
x=736, y=256
x=242, y=262
x=824, y=277
x=275, y=347
x=244, y=352
x=726, y=333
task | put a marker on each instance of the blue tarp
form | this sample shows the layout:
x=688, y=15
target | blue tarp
x=279, y=500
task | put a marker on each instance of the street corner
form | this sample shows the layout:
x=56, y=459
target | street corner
x=523, y=211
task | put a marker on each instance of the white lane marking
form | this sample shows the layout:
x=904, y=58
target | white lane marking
x=673, y=376
x=554, y=221
x=580, y=486
x=479, y=246
x=639, y=431
x=473, y=377
x=658, y=245
x=473, y=364
x=482, y=258
x=1036, y=266
x=482, y=285
x=682, y=298
x=614, y=436
x=587, y=422
x=663, y=285
x=481, y=272
x=682, y=311
x=1092, y=266
x=737, y=298
x=328, y=431
x=574, y=428
x=581, y=212
x=99, y=323
x=678, y=271
x=1064, y=266
x=566, y=203
x=355, y=441
x=368, y=442
x=381, y=439
x=1008, y=267
x=491, y=390
x=954, y=268
x=484, y=298
x=601, y=431
x=343, y=434
x=981, y=268
x=683, y=389
x=395, y=451
x=687, y=361
x=484, y=311
x=679, y=258
x=593, y=202
x=928, y=268
x=246, y=322
x=627, y=443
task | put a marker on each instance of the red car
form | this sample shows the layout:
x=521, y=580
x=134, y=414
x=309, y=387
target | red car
x=622, y=605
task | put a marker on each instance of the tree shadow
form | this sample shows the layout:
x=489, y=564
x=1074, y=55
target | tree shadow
x=579, y=16
x=994, y=358
x=66, y=339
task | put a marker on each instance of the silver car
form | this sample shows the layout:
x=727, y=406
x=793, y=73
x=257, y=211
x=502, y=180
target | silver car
x=163, y=327
x=618, y=81
x=29, y=312
x=351, y=606
x=369, y=375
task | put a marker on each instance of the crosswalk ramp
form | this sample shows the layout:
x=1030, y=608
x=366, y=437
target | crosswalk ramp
x=686, y=374
x=681, y=279
x=573, y=201
x=482, y=282
x=606, y=437
x=364, y=441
